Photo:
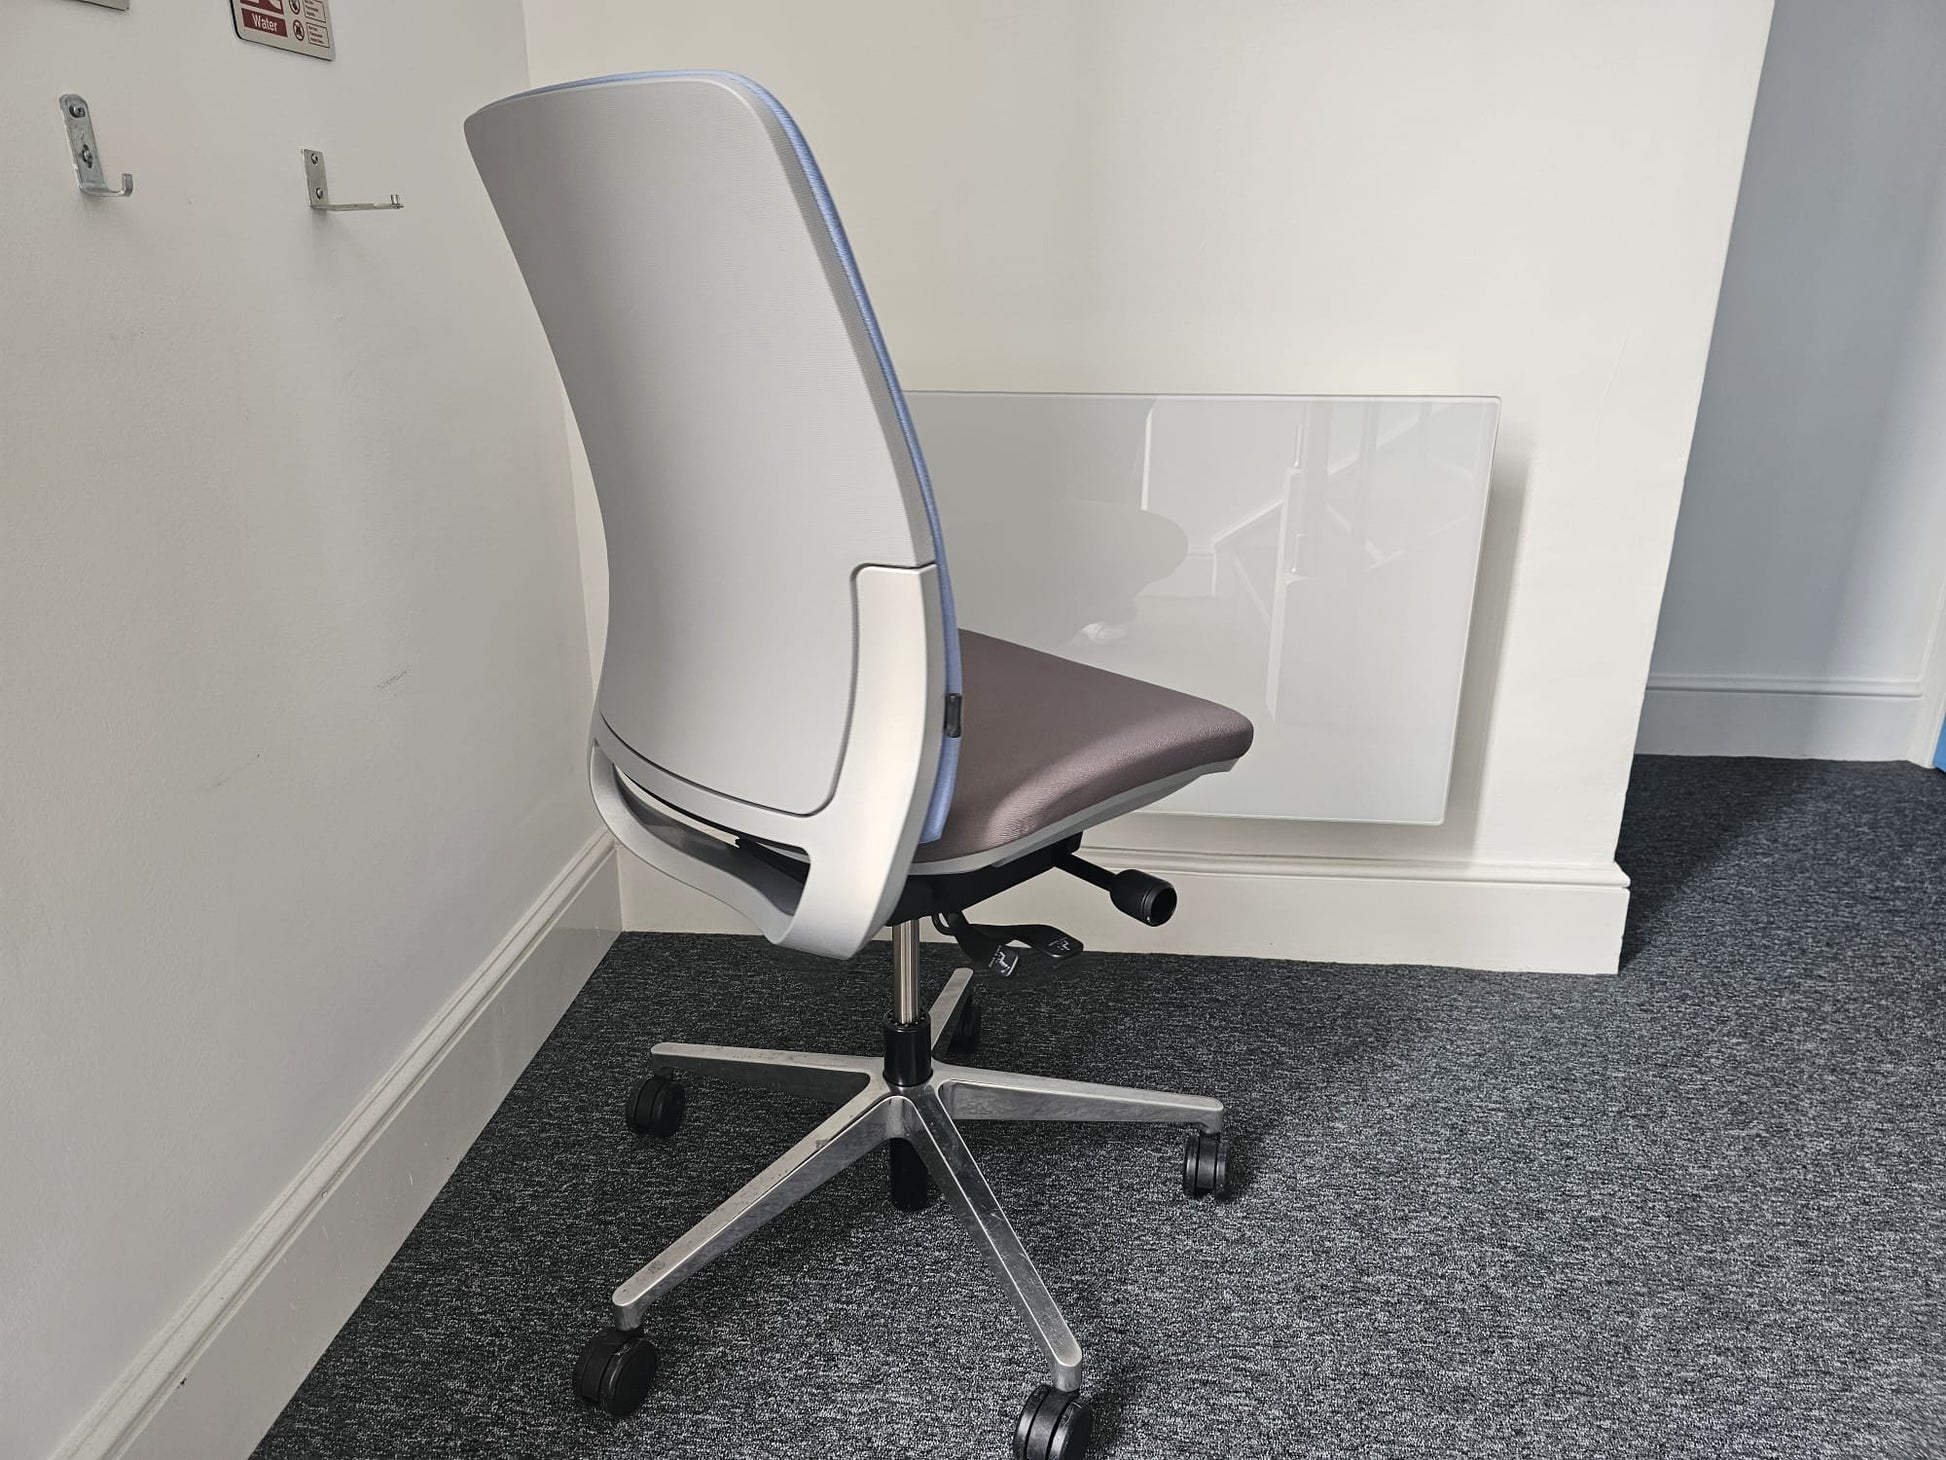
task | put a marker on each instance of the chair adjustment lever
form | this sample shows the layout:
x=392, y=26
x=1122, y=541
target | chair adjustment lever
x=988, y=946
x=1143, y=897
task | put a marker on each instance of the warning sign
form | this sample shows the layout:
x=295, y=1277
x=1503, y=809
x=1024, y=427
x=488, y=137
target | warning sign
x=303, y=26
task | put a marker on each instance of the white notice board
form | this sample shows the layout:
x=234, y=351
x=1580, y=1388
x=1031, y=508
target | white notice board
x=1307, y=560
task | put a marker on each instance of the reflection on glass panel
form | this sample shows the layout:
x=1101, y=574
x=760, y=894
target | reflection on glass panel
x=1307, y=560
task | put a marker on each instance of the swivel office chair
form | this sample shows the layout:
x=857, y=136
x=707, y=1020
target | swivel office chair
x=789, y=718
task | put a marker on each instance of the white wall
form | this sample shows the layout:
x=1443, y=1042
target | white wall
x=293, y=680
x=1512, y=197
x=1811, y=552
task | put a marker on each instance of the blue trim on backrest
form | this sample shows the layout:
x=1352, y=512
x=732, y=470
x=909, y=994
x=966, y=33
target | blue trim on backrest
x=942, y=787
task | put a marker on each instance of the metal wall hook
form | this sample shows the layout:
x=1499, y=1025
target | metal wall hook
x=319, y=191
x=87, y=153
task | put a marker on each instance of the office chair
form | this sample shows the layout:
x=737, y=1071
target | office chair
x=789, y=717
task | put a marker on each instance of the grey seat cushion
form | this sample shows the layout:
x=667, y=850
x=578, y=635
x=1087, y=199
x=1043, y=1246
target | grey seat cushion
x=1043, y=739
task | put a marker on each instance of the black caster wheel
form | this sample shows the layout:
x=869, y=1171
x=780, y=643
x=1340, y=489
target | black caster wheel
x=1206, y=1165
x=1054, y=1424
x=656, y=1106
x=966, y=1033
x=614, y=1371
x=911, y=1191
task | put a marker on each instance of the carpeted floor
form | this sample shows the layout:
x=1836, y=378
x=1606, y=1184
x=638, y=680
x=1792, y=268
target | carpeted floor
x=1697, y=1210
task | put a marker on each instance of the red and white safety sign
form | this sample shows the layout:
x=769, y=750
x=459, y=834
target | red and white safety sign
x=303, y=26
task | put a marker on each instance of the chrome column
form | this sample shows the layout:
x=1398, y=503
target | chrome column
x=905, y=972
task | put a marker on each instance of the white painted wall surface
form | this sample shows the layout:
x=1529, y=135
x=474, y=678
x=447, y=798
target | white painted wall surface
x=1810, y=556
x=293, y=681
x=1512, y=198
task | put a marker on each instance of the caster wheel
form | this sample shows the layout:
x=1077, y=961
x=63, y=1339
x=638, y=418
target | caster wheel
x=911, y=1191
x=1054, y=1425
x=656, y=1106
x=966, y=1033
x=1206, y=1165
x=614, y=1371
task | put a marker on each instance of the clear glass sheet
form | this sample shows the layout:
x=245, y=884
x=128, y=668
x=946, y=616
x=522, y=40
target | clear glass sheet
x=1308, y=560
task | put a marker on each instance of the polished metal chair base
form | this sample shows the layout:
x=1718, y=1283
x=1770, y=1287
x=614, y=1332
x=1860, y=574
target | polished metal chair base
x=926, y=1114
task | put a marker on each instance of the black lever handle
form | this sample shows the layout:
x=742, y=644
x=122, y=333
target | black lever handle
x=1049, y=942
x=977, y=943
x=987, y=946
x=1145, y=898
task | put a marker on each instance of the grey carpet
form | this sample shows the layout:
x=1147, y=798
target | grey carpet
x=1697, y=1210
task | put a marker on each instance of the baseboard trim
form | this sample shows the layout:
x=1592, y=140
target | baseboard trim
x=1800, y=719
x=1515, y=917
x=214, y=1379
x=1852, y=687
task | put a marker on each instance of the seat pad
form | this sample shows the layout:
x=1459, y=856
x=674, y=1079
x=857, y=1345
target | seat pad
x=1044, y=739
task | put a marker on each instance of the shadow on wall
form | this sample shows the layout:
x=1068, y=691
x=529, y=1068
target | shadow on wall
x=1486, y=642
x=1805, y=548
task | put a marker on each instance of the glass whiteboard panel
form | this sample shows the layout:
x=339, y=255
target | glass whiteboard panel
x=1307, y=560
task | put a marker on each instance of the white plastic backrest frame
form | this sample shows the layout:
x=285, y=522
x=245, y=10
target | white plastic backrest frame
x=745, y=437
x=860, y=843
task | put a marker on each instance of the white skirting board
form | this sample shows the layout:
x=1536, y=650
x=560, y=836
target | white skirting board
x=210, y=1384
x=1508, y=917
x=1799, y=719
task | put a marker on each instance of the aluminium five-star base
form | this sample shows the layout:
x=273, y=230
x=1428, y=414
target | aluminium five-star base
x=914, y=1102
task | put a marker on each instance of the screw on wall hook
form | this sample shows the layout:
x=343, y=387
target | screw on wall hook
x=80, y=121
x=319, y=191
